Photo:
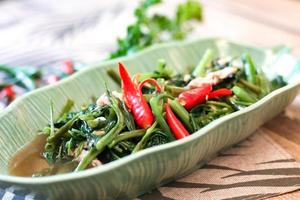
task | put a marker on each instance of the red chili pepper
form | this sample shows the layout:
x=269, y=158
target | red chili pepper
x=177, y=128
x=8, y=92
x=67, y=67
x=193, y=97
x=135, y=101
x=220, y=93
x=151, y=81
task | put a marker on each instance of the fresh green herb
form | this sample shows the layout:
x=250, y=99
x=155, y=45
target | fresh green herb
x=148, y=30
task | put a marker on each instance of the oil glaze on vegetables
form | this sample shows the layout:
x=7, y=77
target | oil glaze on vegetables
x=150, y=109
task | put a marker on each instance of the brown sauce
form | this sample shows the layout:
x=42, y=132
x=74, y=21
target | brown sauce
x=28, y=161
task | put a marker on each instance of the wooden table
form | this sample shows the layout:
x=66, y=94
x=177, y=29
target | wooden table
x=264, y=23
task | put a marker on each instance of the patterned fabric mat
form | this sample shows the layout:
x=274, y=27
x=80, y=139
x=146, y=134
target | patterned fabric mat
x=254, y=169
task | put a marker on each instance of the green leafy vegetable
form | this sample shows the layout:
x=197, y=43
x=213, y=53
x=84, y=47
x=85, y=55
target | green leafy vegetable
x=102, y=134
x=106, y=139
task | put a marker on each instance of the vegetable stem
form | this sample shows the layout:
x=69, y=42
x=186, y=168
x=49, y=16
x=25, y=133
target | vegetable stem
x=218, y=103
x=60, y=132
x=264, y=84
x=182, y=113
x=127, y=135
x=174, y=90
x=114, y=76
x=67, y=107
x=251, y=86
x=148, y=133
x=51, y=119
x=206, y=59
x=250, y=69
x=106, y=139
x=243, y=95
x=157, y=109
x=129, y=120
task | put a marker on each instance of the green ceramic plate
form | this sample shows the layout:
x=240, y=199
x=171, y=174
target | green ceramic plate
x=139, y=173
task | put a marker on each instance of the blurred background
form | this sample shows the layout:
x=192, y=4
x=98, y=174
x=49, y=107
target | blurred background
x=43, y=41
x=55, y=30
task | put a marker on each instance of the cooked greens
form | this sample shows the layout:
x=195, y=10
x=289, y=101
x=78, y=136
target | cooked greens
x=152, y=109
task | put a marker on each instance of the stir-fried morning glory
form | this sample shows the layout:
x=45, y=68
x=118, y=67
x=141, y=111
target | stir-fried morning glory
x=152, y=109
